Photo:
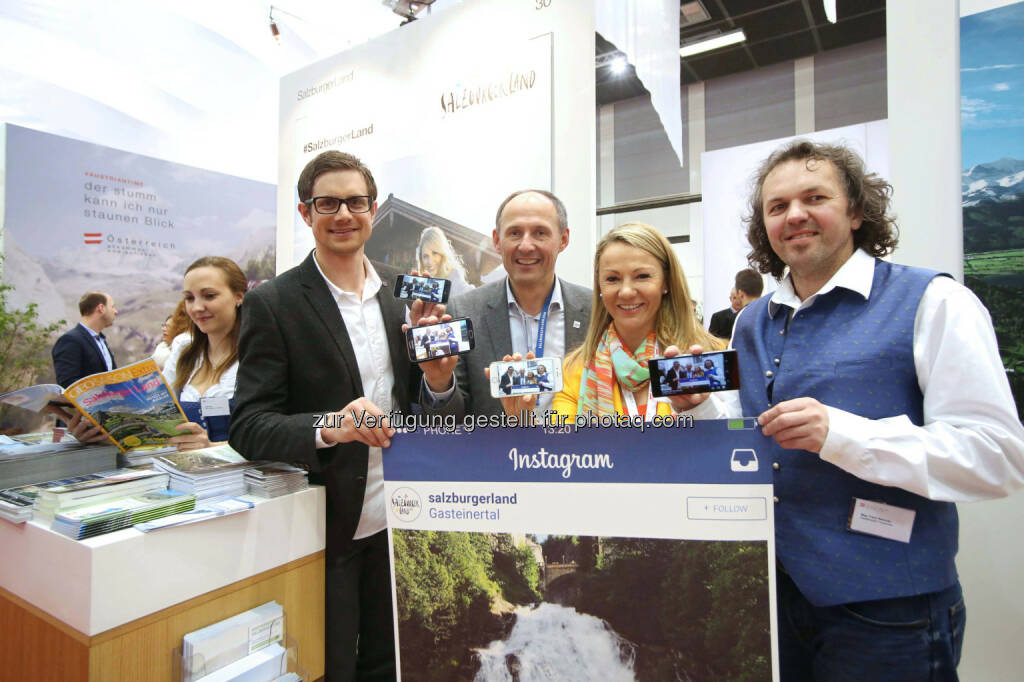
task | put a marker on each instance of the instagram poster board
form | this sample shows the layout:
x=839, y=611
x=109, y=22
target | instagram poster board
x=698, y=490
x=451, y=113
x=82, y=217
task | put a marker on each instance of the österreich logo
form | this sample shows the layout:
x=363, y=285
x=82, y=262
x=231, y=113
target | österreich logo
x=92, y=237
x=405, y=504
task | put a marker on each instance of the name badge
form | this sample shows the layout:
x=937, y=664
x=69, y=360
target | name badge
x=217, y=406
x=882, y=520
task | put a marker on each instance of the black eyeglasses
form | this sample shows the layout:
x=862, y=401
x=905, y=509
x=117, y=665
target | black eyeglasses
x=330, y=205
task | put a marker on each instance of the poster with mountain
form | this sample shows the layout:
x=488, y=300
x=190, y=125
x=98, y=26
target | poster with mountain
x=992, y=124
x=82, y=217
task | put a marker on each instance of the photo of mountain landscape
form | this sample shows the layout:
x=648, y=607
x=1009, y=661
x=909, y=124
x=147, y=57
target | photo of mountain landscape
x=992, y=125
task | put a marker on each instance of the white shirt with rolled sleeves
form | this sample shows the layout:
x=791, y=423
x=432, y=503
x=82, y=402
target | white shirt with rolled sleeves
x=971, y=446
x=364, y=323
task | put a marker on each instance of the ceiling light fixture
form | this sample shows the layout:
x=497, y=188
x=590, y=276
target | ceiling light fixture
x=713, y=43
x=274, y=30
x=830, y=10
x=618, y=65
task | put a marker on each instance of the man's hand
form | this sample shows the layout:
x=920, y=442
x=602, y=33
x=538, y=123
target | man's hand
x=686, y=401
x=521, y=404
x=799, y=424
x=195, y=438
x=374, y=428
x=438, y=373
x=421, y=309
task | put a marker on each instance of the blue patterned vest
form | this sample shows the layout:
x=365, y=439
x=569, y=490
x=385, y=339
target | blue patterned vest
x=857, y=356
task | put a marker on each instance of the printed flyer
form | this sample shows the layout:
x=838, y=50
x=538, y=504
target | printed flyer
x=582, y=552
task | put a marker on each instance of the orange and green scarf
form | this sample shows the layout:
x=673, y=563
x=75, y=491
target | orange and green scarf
x=613, y=362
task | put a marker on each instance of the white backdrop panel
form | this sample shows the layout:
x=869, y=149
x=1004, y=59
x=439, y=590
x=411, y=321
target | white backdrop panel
x=726, y=176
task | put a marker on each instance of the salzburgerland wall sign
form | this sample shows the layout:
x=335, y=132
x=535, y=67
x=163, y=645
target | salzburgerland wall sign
x=582, y=552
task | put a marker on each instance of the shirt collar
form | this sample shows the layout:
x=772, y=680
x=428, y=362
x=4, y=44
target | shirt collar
x=556, y=298
x=93, y=334
x=856, y=274
x=371, y=284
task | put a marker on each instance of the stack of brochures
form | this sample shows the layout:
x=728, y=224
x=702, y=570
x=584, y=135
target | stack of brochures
x=273, y=479
x=211, y=472
x=114, y=515
x=143, y=456
x=17, y=504
x=98, y=488
x=32, y=457
x=207, y=509
x=233, y=642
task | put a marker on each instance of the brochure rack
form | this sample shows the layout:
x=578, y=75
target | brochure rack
x=114, y=606
x=179, y=667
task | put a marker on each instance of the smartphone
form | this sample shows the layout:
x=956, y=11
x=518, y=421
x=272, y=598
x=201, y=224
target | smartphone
x=713, y=371
x=525, y=377
x=429, y=289
x=432, y=341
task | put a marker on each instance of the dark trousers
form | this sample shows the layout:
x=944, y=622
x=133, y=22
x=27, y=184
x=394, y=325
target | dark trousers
x=906, y=639
x=360, y=635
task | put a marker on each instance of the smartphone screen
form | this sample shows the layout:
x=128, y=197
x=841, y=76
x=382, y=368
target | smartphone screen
x=524, y=377
x=712, y=371
x=429, y=289
x=433, y=341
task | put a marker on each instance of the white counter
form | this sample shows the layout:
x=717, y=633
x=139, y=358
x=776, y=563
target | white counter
x=97, y=584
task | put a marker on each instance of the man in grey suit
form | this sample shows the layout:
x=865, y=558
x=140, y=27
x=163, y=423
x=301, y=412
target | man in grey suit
x=529, y=310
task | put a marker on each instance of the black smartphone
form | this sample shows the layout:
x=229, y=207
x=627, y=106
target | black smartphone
x=433, y=341
x=712, y=371
x=429, y=289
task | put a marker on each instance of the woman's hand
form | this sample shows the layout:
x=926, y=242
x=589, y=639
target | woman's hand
x=195, y=438
x=84, y=430
x=521, y=404
x=686, y=401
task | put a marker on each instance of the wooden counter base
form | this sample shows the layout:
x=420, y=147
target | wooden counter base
x=36, y=646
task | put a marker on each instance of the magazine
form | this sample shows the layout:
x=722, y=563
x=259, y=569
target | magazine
x=133, y=405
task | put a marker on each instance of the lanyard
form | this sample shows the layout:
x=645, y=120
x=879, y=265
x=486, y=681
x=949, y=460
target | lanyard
x=542, y=324
x=630, y=402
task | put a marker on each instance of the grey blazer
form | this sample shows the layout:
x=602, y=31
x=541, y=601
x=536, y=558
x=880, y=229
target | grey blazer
x=487, y=306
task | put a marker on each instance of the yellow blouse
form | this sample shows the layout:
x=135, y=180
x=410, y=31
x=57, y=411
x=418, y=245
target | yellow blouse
x=565, y=402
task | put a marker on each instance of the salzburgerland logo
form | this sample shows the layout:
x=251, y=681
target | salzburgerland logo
x=406, y=505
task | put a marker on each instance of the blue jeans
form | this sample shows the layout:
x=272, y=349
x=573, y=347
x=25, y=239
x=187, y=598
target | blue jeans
x=905, y=639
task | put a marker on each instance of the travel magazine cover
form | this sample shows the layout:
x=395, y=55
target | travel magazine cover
x=133, y=405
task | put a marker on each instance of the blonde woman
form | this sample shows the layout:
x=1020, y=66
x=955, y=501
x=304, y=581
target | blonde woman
x=437, y=258
x=641, y=309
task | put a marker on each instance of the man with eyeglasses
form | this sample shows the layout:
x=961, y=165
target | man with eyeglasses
x=324, y=337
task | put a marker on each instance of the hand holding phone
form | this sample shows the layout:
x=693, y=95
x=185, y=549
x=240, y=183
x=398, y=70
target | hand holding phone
x=689, y=374
x=432, y=341
x=511, y=378
x=422, y=288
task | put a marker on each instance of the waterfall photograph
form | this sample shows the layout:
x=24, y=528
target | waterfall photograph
x=489, y=607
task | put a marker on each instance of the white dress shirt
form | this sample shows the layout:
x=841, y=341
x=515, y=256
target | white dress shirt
x=971, y=446
x=101, y=342
x=523, y=330
x=364, y=322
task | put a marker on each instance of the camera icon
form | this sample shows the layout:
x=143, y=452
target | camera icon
x=743, y=459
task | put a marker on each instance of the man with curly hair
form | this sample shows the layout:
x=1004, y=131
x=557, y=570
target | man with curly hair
x=882, y=393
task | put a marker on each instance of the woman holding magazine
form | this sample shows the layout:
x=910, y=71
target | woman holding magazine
x=641, y=309
x=202, y=373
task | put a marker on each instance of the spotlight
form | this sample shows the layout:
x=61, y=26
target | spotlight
x=618, y=65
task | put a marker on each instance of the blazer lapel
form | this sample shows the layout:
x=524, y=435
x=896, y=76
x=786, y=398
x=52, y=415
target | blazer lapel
x=497, y=323
x=577, y=312
x=94, y=345
x=325, y=308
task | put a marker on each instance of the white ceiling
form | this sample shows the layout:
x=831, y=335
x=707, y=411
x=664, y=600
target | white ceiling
x=192, y=81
